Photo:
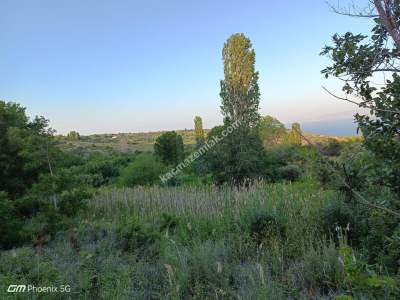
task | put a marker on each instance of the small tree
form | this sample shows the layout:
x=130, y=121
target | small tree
x=294, y=136
x=169, y=148
x=144, y=170
x=73, y=136
x=270, y=130
x=198, y=131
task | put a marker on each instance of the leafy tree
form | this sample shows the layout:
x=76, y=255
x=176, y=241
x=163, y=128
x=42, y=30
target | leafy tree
x=240, y=96
x=331, y=148
x=215, y=157
x=294, y=136
x=198, y=131
x=359, y=60
x=239, y=90
x=26, y=149
x=270, y=130
x=144, y=170
x=73, y=136
x=169, y=148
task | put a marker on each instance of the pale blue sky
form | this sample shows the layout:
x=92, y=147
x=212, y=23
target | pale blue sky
x=101, y=66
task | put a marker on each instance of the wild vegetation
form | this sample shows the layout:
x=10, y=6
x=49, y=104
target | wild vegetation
x=263, y=212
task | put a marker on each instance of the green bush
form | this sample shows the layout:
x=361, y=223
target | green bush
x=331, y=148
x=145, y=170
x=382, y=240
x=169, y=148
x=364, y=282
x=339, y=217
x=168, y=223
x=290, y=172
x=137, y=238
x=72, y=201
x=10, y=228
x=264, y=225
x=285, y=162
x=321, y=269
x=50, y=206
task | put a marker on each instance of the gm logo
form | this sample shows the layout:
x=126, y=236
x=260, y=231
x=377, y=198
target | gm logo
x=13, y=288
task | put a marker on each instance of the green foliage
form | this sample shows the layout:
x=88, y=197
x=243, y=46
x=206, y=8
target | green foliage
x=101, y=171
x=290, y=172
x=242, y=151
x=259, y=242
x=324, y=171
x=198, y=131
x=145, y=170
x=263, y=225
x=134, y=237
x=239, y=90
x=382, y=241
x=322, y=269
x=21, y=264
x=235, y=160
x=169, y=148
x=294, y=137
x=286, y=162
x=339, y=217
x=357, y=59
x=73, y=136
x=270, y=130
x=72, y=201
x=363, y=282
x=169, y=223
x=10, y=229
x=331, y=148
x=26, y=149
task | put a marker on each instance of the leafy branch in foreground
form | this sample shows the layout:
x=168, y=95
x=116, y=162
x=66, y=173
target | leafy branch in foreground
x=358, y=60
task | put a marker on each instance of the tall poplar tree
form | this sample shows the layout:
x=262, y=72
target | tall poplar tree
x=242, y=149
x=198, y=131
x=239, y=90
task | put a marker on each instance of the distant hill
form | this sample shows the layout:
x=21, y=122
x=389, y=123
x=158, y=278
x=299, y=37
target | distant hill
x=337, y=127
x=144, y=141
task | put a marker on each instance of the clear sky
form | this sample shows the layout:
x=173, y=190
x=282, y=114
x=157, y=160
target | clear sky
x=100, y=66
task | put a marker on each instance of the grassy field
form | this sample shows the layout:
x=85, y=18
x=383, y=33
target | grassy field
x=262, y=242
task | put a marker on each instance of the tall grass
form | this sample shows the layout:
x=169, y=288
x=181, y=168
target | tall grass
x=206, y=201
x=259, y=242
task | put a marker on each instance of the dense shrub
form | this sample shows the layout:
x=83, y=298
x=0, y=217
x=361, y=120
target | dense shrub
x=136, y=238
x=286, y=162
x=337, y=218
x=382, y=240
x=72, y=201
x=331, y=148
x=263, y=225
x=321, y=269
x=25, y=148
x=10, y=229
x=103, y=170
x=145, y=170
x=290, y=172
x=169, y=148
x=324, y=171
x=168, y=223
x=365, y=283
